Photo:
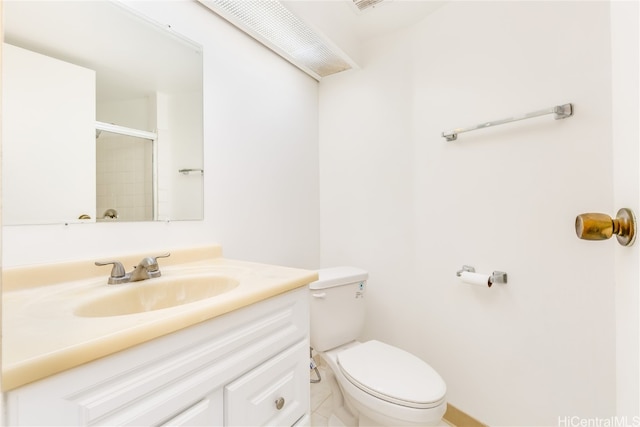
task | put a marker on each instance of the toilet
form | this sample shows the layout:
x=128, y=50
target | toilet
x=373, y=383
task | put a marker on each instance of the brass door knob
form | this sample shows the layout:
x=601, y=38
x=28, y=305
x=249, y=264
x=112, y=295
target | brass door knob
x=598, y=226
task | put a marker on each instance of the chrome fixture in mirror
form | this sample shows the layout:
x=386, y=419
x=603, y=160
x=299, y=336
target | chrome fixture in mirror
x=116, y=73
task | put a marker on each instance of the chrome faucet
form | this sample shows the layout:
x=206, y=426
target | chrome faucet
x=147, y=268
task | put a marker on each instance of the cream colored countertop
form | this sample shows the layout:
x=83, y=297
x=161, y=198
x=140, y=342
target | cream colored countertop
x=42, y=335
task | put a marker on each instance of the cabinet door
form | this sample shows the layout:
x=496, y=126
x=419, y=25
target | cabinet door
x=274, y=393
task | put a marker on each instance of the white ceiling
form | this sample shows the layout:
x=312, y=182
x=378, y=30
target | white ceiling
x=386, y=17
x=348, y=29
x=336, y=20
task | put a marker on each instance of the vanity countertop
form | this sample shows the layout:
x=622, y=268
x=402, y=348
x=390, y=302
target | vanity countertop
x=42, y=335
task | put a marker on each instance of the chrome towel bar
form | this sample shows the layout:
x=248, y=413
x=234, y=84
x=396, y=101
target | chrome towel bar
x=559, y=112
x=191, y=171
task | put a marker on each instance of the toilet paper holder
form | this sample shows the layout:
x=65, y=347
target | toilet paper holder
x=496, y=276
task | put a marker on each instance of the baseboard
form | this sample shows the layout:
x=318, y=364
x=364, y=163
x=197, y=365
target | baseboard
x=456, y=417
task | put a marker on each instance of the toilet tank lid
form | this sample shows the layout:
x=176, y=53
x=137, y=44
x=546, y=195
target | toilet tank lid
x=337, y=276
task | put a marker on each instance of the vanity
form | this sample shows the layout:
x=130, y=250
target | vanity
x=211, y=341
x=76, y=354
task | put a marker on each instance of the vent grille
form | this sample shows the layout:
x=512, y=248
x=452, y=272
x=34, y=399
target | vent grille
x=280, y=30
x=363, y=5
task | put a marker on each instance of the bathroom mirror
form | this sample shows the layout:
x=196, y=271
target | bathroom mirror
x=77, y=75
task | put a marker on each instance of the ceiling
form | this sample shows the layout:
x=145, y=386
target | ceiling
x=383, y=18
x=347, y=28
x=336, y=20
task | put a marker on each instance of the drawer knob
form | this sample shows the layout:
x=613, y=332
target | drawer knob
x=280, y=403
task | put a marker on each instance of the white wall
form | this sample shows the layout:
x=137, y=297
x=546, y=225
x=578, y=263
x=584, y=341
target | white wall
x=41, y=94
x=398, y=200
x=186, y=127
x=261, y=161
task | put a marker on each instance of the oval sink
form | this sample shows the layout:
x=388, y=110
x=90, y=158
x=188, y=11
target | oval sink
x=156, y=294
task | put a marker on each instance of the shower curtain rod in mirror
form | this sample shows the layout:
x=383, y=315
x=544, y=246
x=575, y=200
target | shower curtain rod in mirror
x=122, y=130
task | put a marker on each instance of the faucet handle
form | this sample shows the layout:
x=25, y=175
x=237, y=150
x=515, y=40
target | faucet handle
x=167, y=255
x=153, y=268
x=118, y=273
x=155, y=260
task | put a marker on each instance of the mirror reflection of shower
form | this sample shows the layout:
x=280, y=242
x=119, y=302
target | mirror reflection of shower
x=124, y=177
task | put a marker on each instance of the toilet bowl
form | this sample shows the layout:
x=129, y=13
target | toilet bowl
x=379, y=384
x=387, y=386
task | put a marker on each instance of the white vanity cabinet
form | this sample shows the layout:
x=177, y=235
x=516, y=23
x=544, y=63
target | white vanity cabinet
x=248, y=367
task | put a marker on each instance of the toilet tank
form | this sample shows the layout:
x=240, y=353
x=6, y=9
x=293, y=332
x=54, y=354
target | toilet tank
x=337, y=306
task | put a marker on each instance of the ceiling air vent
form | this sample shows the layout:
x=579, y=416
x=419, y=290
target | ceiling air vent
x=362, y=5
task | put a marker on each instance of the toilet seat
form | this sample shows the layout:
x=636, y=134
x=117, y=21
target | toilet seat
x=392, y=374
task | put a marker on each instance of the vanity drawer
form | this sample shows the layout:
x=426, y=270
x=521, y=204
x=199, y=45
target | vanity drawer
x=275, y=393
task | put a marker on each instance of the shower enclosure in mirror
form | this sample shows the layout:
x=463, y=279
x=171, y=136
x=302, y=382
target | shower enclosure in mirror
x=100, y=115
x=124, y=177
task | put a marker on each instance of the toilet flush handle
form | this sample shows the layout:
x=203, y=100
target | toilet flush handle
x=319, y=295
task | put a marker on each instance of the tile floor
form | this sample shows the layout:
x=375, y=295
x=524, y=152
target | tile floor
x=321, y=402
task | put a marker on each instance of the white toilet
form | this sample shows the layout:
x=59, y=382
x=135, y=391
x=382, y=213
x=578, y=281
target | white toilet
x=375, y=383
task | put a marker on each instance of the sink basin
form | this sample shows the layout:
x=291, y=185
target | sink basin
x=156, y=294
